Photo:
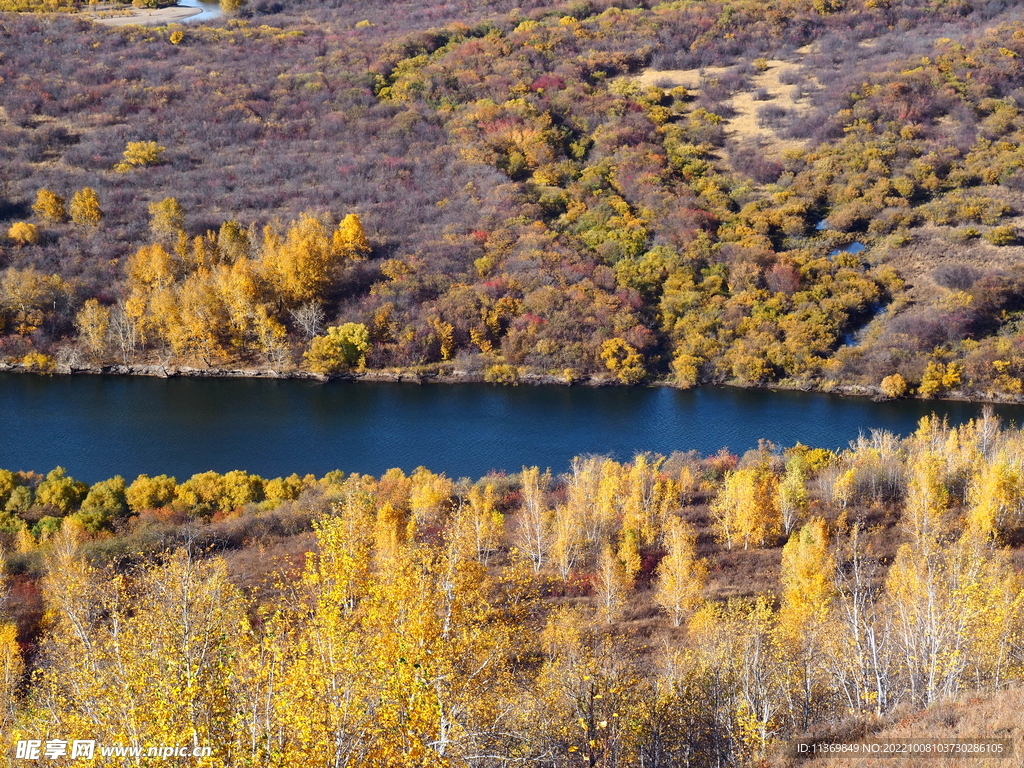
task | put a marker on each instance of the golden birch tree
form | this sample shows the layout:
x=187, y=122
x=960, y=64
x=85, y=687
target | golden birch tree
x=927, y=499
x=793, y=499
x=586, y=694
x=611, y=585
x=533, y=533
x=430, y=499
x=478, y=522
x=50, y=206
x=349, y=240
x=746, y=508
x=567, y=546
x=85, y=208
x=93, y=324
x=299, y=266
x=995, y=496
x=808, y=591
x=862, y=661
x=681, y=574
x=956, y=606
x=12, y=665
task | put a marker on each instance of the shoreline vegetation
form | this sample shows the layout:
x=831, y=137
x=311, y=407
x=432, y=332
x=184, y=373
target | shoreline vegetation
x=439, y=374
x=703, y=609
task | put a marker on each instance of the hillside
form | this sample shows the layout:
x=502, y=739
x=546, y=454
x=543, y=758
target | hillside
x=818, y=195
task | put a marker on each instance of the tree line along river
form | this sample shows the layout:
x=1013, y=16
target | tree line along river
x=99, y=426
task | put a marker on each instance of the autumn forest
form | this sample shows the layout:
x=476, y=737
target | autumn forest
x=688, y=611
x=807, y=194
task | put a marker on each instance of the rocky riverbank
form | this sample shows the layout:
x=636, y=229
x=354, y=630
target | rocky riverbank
x=451, y=375
x=417, y=377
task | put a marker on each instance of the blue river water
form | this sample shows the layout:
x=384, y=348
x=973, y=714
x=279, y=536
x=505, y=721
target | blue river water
x=99, y=426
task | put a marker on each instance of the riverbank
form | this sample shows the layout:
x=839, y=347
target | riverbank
x=429, y=374
x=441, y=375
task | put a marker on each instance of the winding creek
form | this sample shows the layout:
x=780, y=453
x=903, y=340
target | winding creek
x=99, y=426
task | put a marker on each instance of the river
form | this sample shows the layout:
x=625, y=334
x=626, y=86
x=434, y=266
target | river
x=210, y=10
x=99, y=426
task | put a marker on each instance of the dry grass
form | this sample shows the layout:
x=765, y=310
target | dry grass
x=744, y=573
x=933, y=247
x=672, y=78
x=743, y=126
x=259, y=570
x=972, y=716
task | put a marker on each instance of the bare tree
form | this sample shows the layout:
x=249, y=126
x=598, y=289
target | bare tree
x=535, y=535
x=125, y=331
x=310, y=319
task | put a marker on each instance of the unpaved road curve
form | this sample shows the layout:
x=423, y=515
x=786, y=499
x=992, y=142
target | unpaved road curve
x=149, y=17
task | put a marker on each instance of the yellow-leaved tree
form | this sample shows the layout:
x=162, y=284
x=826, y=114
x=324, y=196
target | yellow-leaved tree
x=301, y=265
x=341, y=348
x=197, y=323
x=12, y=665
x=50, y=206
x=793, y=499
x=597, y=514
x=808, y=590
x=735, y=645
x=85, y=208
x=957, y=607
x=93, y=322
x=534, y=521
x=996, y=496
x=138, y=154
x=166, y=219
x=623, y=360
x=681, y=574
x=567, y=545
x=23, y=233
x=612, y=583
x=165, y=640
x=586, y=695
x=928, y=499
x=430, y=497
x=26, y=294
x=349, y=240
x=746, y=508
x=147, y=492
x=646, y=497
x=407, y=668
x=477, y=523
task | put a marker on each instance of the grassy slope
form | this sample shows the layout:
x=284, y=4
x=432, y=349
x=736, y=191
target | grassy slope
x=970, y=716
